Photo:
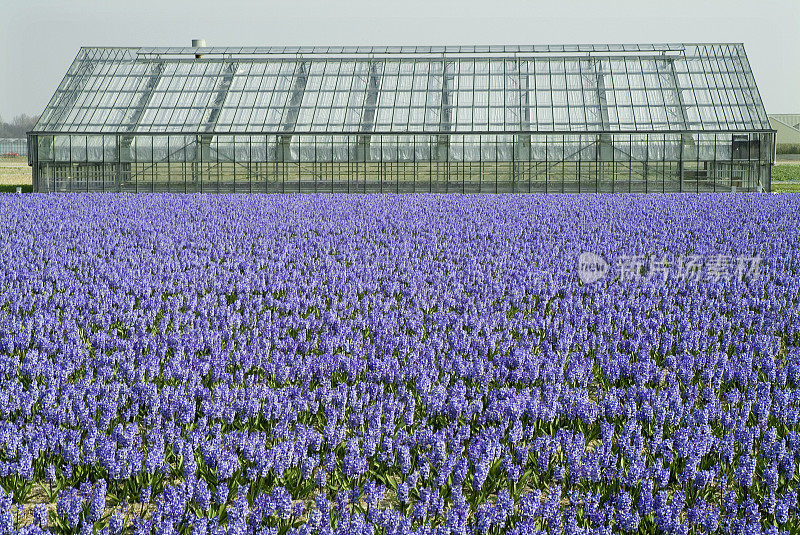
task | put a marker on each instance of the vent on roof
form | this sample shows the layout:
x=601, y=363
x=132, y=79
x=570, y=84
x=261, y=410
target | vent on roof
x=198, y=43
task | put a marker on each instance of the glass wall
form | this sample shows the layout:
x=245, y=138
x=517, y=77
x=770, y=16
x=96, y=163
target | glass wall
x=364, y=163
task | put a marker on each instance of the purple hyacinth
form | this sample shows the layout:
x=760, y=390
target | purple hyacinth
x=202, y=495
x=344, y=346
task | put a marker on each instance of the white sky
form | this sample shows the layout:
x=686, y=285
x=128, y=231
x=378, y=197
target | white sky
x=40, y=38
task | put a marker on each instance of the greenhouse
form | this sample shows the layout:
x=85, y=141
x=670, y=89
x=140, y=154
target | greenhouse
x=582, y=118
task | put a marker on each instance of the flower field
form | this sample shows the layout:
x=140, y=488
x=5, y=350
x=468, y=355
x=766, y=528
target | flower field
x=399, y=364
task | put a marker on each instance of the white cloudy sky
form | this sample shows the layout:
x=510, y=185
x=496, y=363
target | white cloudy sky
x=39, y=38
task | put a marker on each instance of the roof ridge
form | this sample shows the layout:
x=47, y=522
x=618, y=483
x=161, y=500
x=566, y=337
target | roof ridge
x=426, y=49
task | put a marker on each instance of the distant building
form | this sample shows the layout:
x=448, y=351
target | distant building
x=787, y=127
x=13, y=146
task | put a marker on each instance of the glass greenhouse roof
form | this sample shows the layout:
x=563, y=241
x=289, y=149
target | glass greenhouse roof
x=257, y=90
